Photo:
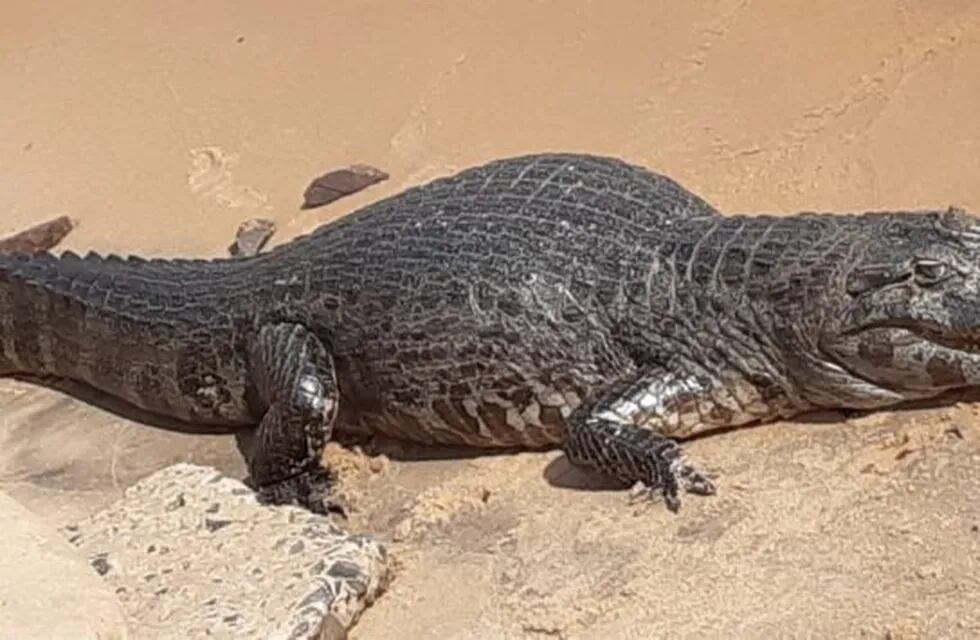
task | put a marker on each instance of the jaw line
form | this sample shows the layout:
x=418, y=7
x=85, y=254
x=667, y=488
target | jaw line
x=838, y=359
x=924, y=331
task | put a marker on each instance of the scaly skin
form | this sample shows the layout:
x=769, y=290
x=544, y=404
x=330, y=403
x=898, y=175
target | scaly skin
x=530, y=302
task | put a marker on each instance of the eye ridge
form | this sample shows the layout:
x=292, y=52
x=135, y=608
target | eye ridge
x=931, y=271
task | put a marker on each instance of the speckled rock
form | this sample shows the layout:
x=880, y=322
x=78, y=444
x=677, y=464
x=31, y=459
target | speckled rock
x=191, y=553
x=46, y=589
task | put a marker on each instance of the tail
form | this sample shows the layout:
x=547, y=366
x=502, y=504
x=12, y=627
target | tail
x=45, y=301
x=73, y=316
x=17, y=318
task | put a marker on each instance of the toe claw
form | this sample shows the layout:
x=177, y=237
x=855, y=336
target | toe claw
x=679, y=477
x=695, y=482
x=672, y=501
x=670, y=477
x=702, y=487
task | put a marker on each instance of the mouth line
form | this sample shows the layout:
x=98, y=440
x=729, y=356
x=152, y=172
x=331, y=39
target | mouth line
x=962, y=342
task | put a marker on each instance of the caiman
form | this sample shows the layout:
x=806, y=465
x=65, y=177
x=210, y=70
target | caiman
x=543, y=300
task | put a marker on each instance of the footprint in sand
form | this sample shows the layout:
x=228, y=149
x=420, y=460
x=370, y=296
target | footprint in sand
x=210, y=178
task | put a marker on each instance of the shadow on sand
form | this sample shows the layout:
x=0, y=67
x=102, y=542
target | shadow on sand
x=559, y=472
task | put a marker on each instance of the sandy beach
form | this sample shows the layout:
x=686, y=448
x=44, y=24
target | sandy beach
x=160, y=127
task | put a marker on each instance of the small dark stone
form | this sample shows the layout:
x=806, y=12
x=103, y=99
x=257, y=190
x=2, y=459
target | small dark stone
x=177, y=503
x=240, y=39
x=101, y=564
x=151, y=548
x=344, y=569
x=211, y=602
x=296, y=548
x=213, y=524
x=251, y=237
x=956, y=430
x=233, y=618
x=339, y=183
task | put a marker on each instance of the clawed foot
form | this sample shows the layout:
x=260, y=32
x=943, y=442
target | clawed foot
x=671, y=476
x=314, y=490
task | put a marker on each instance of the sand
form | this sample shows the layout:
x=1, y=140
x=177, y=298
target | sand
x=162, y=126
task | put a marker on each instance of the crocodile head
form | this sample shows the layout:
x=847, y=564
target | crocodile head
x=907, y=323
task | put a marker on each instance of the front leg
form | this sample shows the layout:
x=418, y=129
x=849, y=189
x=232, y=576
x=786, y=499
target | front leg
x=294, y=377
x=628, y=433
x=634, y=454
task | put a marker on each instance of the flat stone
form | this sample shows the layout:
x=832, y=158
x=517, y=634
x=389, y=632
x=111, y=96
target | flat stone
x=338, y=183
x=46, y=588
x=191, y=553
x=251, y=237
x=41, y=237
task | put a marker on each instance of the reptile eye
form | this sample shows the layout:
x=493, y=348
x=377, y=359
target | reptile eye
x=930, y=271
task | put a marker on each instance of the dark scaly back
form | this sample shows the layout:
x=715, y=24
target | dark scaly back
x=495, y=284
x=431, y=295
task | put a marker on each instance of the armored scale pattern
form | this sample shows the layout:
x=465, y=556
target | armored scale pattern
x=552, y=299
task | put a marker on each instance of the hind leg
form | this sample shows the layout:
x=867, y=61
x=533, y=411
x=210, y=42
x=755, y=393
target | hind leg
x=294, y=376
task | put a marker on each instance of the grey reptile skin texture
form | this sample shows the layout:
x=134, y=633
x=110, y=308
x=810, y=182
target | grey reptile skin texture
x=553, y=299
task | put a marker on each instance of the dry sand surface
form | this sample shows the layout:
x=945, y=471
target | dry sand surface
x=161, y=126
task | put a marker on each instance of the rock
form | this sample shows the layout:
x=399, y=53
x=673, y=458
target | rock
x=251, y=237
x=192, y=554
x=41, y=237
x=46, y=588
x=339, y=183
